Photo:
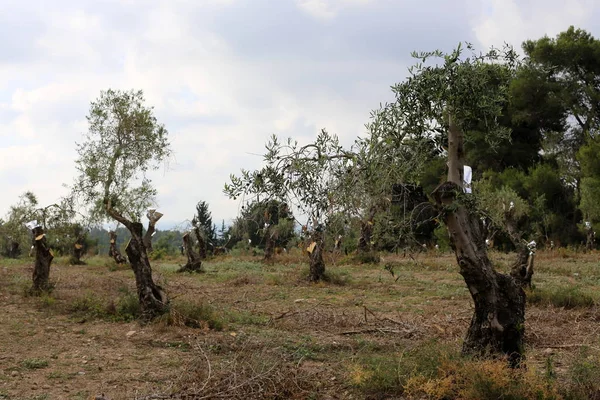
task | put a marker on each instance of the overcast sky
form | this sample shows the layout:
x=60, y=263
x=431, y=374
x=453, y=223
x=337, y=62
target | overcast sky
x=223, y=75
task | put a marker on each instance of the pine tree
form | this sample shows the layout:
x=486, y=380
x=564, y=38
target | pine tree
x=203, y=220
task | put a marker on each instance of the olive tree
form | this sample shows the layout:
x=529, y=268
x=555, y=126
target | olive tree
x=302, y=176
x=14, y=236
x=445, y=96
x=124, y=141
x=382, y=161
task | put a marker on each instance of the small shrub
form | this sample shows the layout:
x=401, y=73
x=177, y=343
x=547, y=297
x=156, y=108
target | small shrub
x=384, y=375
x=193, y=315
x=34, y=363
x=89, y=305
x=46, y=300
x=584, y=377
x=125, y=308
x=158, y=254
x=567, y=297
x=336, y=277
x=434, y=371
x=128, y=307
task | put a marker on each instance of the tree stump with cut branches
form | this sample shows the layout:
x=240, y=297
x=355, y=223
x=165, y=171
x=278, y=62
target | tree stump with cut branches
x=43, y=259
x=315, y=250
x=113, y=251
x=78, y=250
x=153, y=217
x=194, y=263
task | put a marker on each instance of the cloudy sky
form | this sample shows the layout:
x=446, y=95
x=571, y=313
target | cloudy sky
x=223, y=75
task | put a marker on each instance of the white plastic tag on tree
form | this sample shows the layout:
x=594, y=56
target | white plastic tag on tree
x=468, y=175
x=31, y=225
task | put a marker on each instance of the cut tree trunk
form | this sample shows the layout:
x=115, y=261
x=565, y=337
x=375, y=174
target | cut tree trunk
x=317, y=265
x=153, y=300
x=498, y=322
x=113, y=251
x=201, y=243
x=78, y=250
x=43, y=259
x=590, y=239
x=14, y=250
x=270, y=238
x=194, y=263
x=366, y=232
x=153, y=217
x=522, y=269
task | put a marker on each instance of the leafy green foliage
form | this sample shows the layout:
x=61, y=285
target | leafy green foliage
x=13, y=230
x=251, y=223
x=473, y=90
x=302, y=176
x=123, y=142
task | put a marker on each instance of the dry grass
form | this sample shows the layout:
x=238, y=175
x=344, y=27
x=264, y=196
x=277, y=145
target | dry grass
x=245, y=329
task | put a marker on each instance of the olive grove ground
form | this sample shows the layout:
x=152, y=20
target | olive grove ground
x=245, y=329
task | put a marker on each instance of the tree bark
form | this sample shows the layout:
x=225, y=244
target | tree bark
x=497, y=325
x=366, y=232
x=43, y=259
x=522, y=269
x=113, y=251
x=270, y=238
x=590, y=239
x=14, y=250
x=153, y=300
x=194, y=263
x=153, y=217
x=201, y=243
x=78, y=250
x=317, y=265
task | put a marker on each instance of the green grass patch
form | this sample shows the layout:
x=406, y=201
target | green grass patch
x=563, y=296
x=123, y=309
x=194, y=315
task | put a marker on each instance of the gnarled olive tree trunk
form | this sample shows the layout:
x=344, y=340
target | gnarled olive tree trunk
x=113, y=250
x=153, y=299
x=317, y=265
x=43, y=259
x=498, y=322
x=194, y=263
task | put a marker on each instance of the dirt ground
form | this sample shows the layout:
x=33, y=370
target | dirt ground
x=263, y=331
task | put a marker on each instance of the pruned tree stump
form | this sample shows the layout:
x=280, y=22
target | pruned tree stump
x=194, y=263
x=78, y=250
x=315, y=250
x=113, y=251
x=43, y=259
